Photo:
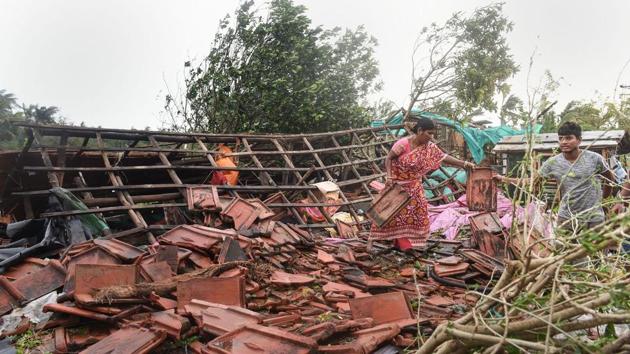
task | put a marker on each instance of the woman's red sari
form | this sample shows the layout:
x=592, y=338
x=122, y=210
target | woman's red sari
x=410, y=227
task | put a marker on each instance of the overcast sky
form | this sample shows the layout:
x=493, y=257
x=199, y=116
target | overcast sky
x=108, y=63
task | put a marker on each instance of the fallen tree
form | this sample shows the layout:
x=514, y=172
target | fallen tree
x=552, y=304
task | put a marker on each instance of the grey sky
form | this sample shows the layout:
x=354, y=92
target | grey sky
x=107, y=63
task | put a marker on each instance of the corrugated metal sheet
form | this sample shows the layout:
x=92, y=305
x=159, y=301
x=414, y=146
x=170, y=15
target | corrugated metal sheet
x=549, y=141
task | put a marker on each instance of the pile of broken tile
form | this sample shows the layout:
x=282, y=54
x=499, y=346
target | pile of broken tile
x=273, y=288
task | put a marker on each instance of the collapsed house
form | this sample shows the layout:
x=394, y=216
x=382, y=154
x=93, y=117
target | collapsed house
x=139, y=241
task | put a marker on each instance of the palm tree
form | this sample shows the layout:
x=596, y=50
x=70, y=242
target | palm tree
x=7, y=102
x=40, y=114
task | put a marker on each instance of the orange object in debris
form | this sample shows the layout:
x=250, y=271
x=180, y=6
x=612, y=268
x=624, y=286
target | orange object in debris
x=227, y=161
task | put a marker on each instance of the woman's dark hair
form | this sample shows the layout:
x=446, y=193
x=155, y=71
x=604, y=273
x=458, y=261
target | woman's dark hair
x=570, y=128
x=423, y=124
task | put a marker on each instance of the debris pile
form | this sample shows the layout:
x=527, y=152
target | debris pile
x=250, y=282
x=117, y=241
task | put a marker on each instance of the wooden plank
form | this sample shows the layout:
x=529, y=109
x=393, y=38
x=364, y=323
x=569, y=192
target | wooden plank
x=53, y=180
x=166, y=205
x=299, y=177
x=266, y=179
x=354, y=170
x=61, y=156
x=123, y=196
x=374, y=165
x=107, y=133
x=330, y=178
x=210, y=158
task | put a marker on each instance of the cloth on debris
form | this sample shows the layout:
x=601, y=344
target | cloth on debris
x=345, y=217
x=56, y=232
x=458, y=173
x=33, y=311
x=449, y=218
x=313, y=213
x=227, y=161
x=475, y=138
x=69, y=201
x=412, y=221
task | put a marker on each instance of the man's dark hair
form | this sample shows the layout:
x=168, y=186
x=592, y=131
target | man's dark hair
x=423, y=124
x=570, y=128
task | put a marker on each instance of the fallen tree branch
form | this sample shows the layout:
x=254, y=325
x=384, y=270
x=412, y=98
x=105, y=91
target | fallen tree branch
x=161, y=288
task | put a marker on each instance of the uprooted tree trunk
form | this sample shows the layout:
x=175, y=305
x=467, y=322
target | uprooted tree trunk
x=160, y=288
x=538, y=304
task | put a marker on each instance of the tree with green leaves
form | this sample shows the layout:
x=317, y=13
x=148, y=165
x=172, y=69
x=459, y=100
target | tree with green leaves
x=8, y=115
x=460, y=66
x=593, y=116
x=11, y=137
x=278, y=74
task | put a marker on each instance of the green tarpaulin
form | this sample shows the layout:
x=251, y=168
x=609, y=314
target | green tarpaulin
x=475, y=138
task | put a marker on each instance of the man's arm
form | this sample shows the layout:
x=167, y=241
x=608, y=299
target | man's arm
x=624, y=194
x=513, y=180
x=609, y=178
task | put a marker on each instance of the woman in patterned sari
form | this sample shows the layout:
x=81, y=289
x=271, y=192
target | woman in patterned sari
x=409, y=159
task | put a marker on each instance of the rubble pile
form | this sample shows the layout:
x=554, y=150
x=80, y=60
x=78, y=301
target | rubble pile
x=119, y=241
x=247, y=282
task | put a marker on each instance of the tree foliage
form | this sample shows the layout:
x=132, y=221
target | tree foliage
x=278, y=74
x=11, y=112
x=460, y=66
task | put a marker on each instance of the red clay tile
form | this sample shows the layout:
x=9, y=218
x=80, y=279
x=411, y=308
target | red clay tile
x=72, y=339
x=170, y=322
x=383, y=308
x=451, y=260
x=366, y=341
x=242, y=212
x=484, y=263
x=75, y=311
x=203, y=198
x=332, y=286
x=387, y=204
x=283, y=278
x=32, y=286
x=154, y=272
x=256, y=339
x=195, y=237
x=231, y=251
x=265, y=227
x=437, y=300
x=122, y=250
x=345, y=230
x=488, y=235
x=25, y=267
x=170, y=255
x=481, y=190
x=162, y=302
x=200, y=260
x=92, y=277
x=442, y=270
x=290, y=234
x=220, y=319
x=281, y=320
x=325, y=257
x=128, y=340
x=264, y=211
x=407, y=272
x=93, y=255
x=226, y=291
